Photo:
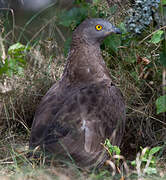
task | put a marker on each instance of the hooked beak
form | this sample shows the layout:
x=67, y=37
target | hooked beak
x=113, y=30
x=117, y=30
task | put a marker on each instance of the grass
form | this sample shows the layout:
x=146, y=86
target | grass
x=21, y=95
x=143, y=126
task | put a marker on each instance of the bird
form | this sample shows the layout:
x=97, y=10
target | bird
x=84, y=108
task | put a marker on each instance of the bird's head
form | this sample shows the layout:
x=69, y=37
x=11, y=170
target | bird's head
x=94, y=30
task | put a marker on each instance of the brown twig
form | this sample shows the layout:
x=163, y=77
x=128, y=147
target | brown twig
x=164, y=27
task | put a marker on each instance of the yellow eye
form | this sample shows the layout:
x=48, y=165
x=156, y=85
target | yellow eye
x=99, y=27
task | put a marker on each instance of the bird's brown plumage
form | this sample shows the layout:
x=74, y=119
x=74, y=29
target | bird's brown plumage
x=84, y=108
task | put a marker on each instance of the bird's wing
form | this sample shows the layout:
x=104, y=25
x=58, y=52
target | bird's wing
x=82, y=119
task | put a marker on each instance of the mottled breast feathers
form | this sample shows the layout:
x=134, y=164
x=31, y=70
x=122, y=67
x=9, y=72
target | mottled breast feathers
x=84, y=108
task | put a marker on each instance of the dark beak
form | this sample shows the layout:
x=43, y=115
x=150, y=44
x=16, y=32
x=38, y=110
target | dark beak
x=113, y=30
x=117, y=31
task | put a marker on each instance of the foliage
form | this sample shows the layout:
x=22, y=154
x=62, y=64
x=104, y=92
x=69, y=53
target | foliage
x=76, y=15
x=71, y=18
x=114, y=158
x=161, y=104
x=146, y=162
x=112, y=42
x=141, y=16
x=121, y=53
x=15, y=61
x=157, y=37
x=111, y=149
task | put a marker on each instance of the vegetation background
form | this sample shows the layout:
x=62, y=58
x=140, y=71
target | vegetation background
x=33, y=50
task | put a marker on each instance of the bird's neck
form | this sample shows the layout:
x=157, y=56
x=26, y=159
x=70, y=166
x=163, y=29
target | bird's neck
x=85, y=63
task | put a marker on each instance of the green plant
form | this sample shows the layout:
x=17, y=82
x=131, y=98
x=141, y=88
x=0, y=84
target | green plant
x=114, y=159
x=15, y=61
x=73, y=17
x=161, y=104
x=146, y=161
x=141, y=17
x=111, y=149
x=121, y=55
x=158, y=38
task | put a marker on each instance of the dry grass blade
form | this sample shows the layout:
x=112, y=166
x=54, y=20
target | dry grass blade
x=138, y=165
x=112, y=165
x=120, y=157
x=45, y=63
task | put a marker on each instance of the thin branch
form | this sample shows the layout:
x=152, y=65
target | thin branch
x=164, y=27
x=147, y=115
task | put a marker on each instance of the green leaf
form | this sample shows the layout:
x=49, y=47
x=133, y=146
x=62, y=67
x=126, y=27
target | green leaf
x=15, y=62
x=163, y=58
x=130, y=59
x=109, y=145
x=161, y=104
x=150, y=170
x=75, y=15
x=154, y=150
x=144, y=159
x=116, y=150
x=163, y=2
x=112, y=148
x=123, y=28
x=21, y=61
x=113, y=42
x=134, y=74
x=157, y=37
x=12, y=66
x=18, y=47
x=133, y=163
x=3, y=68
